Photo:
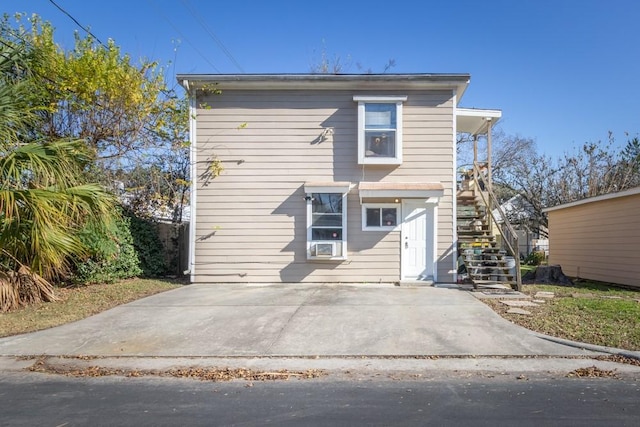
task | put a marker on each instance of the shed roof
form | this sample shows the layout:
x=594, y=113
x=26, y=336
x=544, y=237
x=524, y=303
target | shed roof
x=610, y=196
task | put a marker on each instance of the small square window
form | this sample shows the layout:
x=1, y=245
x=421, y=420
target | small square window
x=379, y=217
x=373, y=217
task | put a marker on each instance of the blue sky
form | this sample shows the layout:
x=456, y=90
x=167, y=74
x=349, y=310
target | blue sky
x=563, y=72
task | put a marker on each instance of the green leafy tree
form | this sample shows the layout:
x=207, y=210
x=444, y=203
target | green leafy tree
x=43, y=198
x=135, y=125
x=94, y=92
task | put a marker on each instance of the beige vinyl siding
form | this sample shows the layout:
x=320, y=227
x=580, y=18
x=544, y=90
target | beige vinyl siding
x=251, y=220
x=598, y=240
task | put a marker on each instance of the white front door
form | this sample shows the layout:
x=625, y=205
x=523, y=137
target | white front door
x=418, y=240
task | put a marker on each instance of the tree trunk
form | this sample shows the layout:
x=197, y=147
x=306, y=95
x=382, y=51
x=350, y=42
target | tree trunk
x=547, y=274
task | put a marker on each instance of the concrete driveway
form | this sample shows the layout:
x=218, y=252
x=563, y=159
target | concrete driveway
x=292, y=320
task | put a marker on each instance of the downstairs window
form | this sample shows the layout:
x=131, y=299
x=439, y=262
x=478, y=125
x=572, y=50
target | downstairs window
x=326, y=226
x=379, y=216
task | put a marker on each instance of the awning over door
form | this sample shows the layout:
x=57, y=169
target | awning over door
x=400, y=190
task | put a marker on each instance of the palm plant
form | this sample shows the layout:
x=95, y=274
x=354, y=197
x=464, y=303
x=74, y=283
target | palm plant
x=43, y=198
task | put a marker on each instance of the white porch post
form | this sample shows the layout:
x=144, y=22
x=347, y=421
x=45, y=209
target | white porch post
x=475, y=159
x=489, y=166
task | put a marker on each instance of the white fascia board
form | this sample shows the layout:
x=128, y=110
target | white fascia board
x=610, y=196
x=475, y=120
x=479, y=112
x=371, y=82
x=379, y=99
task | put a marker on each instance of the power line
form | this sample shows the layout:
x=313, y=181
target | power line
x=203, y=24
x=183, y=37
x=77, y=23
x=93, y=35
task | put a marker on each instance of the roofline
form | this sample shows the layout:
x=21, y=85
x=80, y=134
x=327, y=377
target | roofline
x=481, y=117
x=625, y=193
x=458, y=82
x=479, y=112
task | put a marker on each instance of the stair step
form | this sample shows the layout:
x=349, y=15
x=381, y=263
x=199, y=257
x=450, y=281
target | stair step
x=481, y=263
x=493, y=251
x=494, y=255
x=466, y=193
x=479, y=236
x=493, y=282
x=472, y=227
x=469, y=240
x=491, y=276
x=494, y=277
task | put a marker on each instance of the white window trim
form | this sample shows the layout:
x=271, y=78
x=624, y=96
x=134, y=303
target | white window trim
x=362, y=100
x=366, y=206
x=311, y=242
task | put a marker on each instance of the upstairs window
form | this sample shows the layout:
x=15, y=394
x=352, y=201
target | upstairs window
x=380, y=129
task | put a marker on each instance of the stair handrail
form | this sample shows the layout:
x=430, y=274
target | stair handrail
x=512, y=240
x=466, y=174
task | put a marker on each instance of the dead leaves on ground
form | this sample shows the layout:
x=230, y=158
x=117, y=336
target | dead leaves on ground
x=203, y=374
x=592, y=372
x=595, y=372
x=620, y=358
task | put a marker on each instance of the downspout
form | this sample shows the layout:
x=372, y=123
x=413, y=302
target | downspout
x=454, y=202
x=193, y=161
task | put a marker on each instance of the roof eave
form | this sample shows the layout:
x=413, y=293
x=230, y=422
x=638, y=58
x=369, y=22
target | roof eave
x=625, y=193
x=457, y=82
x=476, y=121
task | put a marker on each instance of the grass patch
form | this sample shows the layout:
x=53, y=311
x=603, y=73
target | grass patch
x=79, y=302
x=590, y=312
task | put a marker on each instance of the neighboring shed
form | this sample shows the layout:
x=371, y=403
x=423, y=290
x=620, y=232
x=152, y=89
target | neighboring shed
x=598, y=238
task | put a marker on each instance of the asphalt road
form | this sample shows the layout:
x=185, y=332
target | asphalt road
x=460, y=400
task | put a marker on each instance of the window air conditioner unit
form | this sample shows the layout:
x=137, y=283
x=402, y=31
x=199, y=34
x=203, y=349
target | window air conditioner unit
x=327, y=249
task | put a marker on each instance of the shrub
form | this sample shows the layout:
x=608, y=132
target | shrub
x=147, y=245
x=535, y=258
x=112, y=254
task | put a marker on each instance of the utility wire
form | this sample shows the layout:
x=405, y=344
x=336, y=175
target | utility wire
x=183, y=37
x=77, y=23
x=215, y=38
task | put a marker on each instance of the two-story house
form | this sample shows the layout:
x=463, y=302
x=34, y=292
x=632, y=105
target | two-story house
x=326, y=178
